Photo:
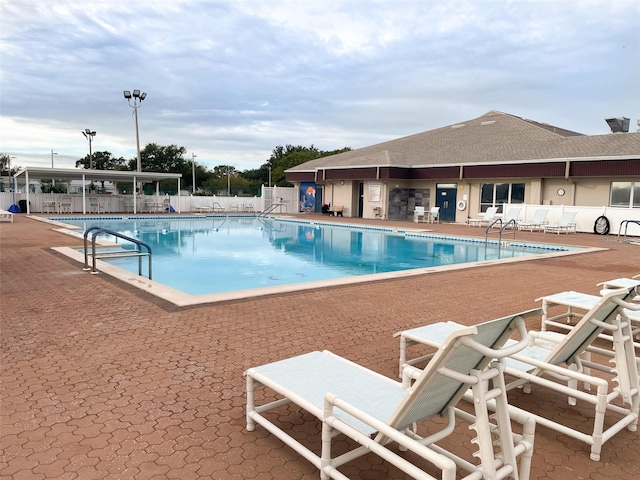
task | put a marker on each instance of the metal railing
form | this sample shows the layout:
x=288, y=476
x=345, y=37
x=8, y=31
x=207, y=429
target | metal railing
x=270, y=209
x=114, y=254
x=511, y=223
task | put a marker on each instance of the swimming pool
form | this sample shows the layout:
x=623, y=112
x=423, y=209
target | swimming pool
x=216, y=254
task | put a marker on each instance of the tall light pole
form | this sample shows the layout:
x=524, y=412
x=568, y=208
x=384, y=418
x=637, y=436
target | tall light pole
x=228, y=180
x=53, y=181
x=136, y=97
x=193, y=172
x=89, y=136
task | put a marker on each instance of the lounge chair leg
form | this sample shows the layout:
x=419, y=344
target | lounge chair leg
x=251, y=425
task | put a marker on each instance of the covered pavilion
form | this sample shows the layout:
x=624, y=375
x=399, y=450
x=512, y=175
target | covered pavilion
x=32, y=173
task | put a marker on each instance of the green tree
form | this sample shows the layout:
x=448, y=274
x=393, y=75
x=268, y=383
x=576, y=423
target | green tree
x=283, y=158
x=102, y=161
x=158, y=158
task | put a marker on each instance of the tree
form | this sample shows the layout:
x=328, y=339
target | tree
x=158, y=158
x=102, y=161
x=5, y=165
x=284, y=158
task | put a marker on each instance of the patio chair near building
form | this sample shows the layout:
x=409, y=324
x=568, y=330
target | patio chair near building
x=555, y=361
x=485, y=219
x=433, y=215
x=378, y=413
x=419, y=214
x=566, y=224
x=537, y=222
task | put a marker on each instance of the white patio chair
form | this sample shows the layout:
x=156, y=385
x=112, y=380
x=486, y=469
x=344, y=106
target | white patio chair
x=433, y=215
x=484, y=219
x=537, y=222
x=564, y=225
x=95, y=206
x=49, y=205
x=66, y=205
x=553, y=361
x=419, y=215
x=375, y=411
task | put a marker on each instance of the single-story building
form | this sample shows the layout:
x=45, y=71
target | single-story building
x=492, y=160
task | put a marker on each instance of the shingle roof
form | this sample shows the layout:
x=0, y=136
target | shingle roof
x=493, y=138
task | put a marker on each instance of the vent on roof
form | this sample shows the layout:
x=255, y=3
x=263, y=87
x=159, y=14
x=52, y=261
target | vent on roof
x=488, y=122
x=618, y=124
x=459, y=125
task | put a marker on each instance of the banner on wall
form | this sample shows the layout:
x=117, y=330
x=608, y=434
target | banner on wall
x=307, y=197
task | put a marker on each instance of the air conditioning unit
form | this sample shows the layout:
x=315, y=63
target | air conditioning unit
x=618, y=124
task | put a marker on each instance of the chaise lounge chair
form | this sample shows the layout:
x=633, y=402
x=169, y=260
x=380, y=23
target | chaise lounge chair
x=6, y=216
x=378, y=413
x=553, y=361
x=511, y=218
x=564, y=225
x=485, y=219
x=537, y=222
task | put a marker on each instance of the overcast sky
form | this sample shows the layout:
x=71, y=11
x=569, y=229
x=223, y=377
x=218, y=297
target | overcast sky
x=231, y=80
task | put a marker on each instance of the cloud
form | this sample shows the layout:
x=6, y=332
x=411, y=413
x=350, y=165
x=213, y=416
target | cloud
x=231, y=80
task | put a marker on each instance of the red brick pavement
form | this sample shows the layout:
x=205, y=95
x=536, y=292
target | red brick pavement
x=100, y=381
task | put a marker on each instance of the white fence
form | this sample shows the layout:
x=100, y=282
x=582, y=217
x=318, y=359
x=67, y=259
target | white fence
x=585, y=216
x=286, y=196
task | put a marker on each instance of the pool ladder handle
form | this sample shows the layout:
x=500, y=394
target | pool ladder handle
x=626, y=225
x=511, y=223
x=123, y=253
x=271, y=208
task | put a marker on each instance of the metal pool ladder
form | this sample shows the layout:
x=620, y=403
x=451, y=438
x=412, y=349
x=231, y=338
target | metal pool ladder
x=511, y=223
x=270, y=209
x=137, y=252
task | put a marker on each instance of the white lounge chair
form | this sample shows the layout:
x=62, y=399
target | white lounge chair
x=419, y=215
x=553, y=361
x=537, y=222
x=511, y=218
x=378, y=413
x=484, y=219
x=564, y=225
x=6, y=216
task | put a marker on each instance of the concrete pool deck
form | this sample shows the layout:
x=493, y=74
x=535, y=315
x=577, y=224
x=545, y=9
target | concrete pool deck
x=102, y=381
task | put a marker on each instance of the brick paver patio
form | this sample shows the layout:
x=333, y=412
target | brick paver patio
x=100, y=381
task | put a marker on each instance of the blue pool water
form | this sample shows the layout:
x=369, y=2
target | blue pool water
x=201, y=255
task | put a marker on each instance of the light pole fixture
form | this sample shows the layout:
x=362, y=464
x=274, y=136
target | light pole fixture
x=193, y=172
x=53, y=181
x=135, y=100
x=89, y=136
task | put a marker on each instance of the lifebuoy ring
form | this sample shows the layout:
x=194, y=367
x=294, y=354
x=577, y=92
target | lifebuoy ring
x=462, y=205
x=601, y=225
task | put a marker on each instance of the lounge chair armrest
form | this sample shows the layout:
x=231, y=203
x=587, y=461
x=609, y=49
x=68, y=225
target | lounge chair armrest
x=330, y=401
x=505, y=351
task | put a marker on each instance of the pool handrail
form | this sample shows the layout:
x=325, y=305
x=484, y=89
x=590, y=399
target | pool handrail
x=99, y=230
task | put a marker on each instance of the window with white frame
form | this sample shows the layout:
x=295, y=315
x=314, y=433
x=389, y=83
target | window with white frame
x=496, y=194
x=625, y=194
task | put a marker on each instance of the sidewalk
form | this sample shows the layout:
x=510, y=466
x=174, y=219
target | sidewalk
x=101, y=381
